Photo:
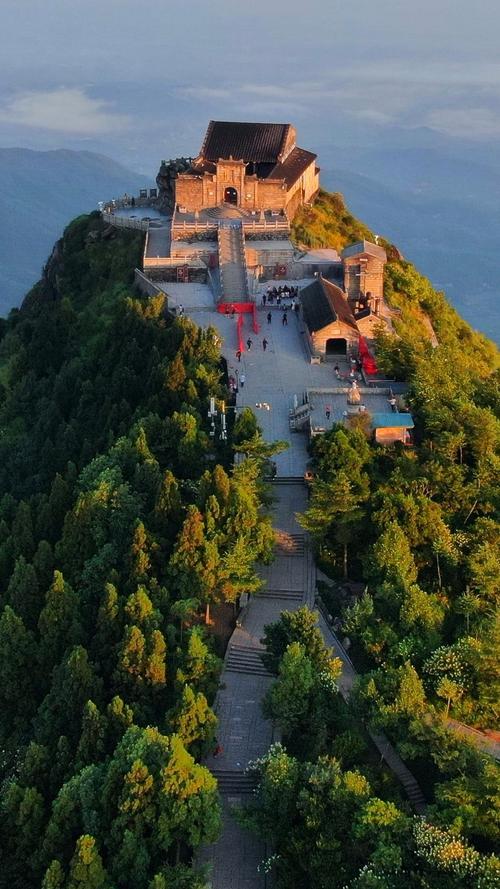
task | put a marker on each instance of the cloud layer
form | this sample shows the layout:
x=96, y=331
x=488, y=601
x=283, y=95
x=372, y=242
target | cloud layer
x=62, y=110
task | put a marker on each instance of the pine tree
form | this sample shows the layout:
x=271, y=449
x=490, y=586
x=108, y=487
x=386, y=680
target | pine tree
x=17, y=660
x=193, y=720
x=86, y=868
x=54, y=876
x=22, y=592
x=59, y=622
x=91, y=746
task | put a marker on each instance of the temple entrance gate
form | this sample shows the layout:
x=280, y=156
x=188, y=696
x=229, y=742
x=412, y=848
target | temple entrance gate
x=335, y=347
x=230, y=195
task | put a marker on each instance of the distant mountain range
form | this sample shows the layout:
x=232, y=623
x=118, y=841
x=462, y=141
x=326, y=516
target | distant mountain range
x=40, y=192
x=440, y=208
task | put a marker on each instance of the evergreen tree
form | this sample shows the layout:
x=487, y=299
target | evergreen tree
x=86, y=869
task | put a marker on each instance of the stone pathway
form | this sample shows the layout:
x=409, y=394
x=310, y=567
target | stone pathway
x=243, y=732
x=273, y=377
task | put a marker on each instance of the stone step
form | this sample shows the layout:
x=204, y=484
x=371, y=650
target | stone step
x=288, y=480
x=234, y=782
x=242, y=659
x=291, y=595
x=291, y=545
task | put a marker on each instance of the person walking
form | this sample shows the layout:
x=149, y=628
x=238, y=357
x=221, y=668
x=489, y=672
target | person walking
x=249, y=343
x=242, y=380
x=284, y=320
x=328, y=411
x=264, y=298
x=238, y=354
x=264, y=344
x=269, y=317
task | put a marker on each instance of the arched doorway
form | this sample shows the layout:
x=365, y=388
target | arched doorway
x=230, y=195
x=335, y=347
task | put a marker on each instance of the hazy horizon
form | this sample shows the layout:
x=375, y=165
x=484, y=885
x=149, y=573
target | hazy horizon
x=126, y=80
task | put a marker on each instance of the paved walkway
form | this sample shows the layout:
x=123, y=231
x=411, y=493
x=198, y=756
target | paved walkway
x=273, y=378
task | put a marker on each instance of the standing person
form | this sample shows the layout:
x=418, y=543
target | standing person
x=242, y=380
x=264, y=344
x=328, y=411
x=249, y=343
x=264, y=298
x=284, y=320
x=269, y=317
x=238, y=354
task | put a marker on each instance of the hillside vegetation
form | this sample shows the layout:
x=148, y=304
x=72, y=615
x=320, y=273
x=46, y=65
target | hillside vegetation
x=418, y=529
x=121, y=522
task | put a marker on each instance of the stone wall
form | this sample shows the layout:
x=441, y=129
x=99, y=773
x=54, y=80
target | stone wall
x=189, y=192
x=336, y=330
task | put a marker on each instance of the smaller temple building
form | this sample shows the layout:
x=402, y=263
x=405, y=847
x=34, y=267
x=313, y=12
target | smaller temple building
x=364, y=275
x=251, y=166
x=334, y=319
x=329, y=321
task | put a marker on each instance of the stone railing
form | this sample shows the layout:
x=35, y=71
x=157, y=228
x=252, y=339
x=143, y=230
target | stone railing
x=125, y=221
x=251, y=225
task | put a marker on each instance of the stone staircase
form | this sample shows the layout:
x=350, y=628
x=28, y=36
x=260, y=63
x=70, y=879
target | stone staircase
x=232, y=263
x=234, y=783
x=288, y=480
x=290, y=545
x=288, y=595
x=244, y=659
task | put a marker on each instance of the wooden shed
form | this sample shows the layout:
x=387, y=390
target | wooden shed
x=390, y=427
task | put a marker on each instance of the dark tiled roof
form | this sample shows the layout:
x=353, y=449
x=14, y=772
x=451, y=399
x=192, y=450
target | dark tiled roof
x=258, y=142
x=293, y=166
x=324, y=302
x=364, y=247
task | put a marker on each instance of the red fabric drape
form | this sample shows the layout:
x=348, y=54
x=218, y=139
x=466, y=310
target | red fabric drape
x=367, y=359
x=239, y=308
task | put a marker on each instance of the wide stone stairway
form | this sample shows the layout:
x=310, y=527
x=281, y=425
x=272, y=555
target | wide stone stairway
x=232, y=263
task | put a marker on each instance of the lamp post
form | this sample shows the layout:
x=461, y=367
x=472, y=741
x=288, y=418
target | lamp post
x=213, y=414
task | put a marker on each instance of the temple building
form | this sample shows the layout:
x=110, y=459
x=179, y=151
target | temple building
x=251, y=166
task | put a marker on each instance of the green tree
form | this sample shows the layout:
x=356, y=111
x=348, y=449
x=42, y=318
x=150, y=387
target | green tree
x=59, y=622
x=287, y=701
x=17, y=659
x=54, y=876
x=86, y=868
x=193, y=720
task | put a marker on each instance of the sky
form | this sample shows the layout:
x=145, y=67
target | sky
x=139, y=80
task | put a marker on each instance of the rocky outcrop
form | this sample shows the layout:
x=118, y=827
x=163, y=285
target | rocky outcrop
x=165, y=180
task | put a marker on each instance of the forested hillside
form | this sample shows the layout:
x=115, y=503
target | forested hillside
x=121, y=520
x=415, y=532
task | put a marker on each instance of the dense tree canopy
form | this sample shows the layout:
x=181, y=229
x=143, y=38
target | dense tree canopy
x=121, y=521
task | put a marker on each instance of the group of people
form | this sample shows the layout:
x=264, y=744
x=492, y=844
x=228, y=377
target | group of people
x=355, y=368
x=278, y=294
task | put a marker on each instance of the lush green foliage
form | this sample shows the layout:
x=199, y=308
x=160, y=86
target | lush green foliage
x=330, y=830
x=418, y=530
x=328, y=223
x=119, y=526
